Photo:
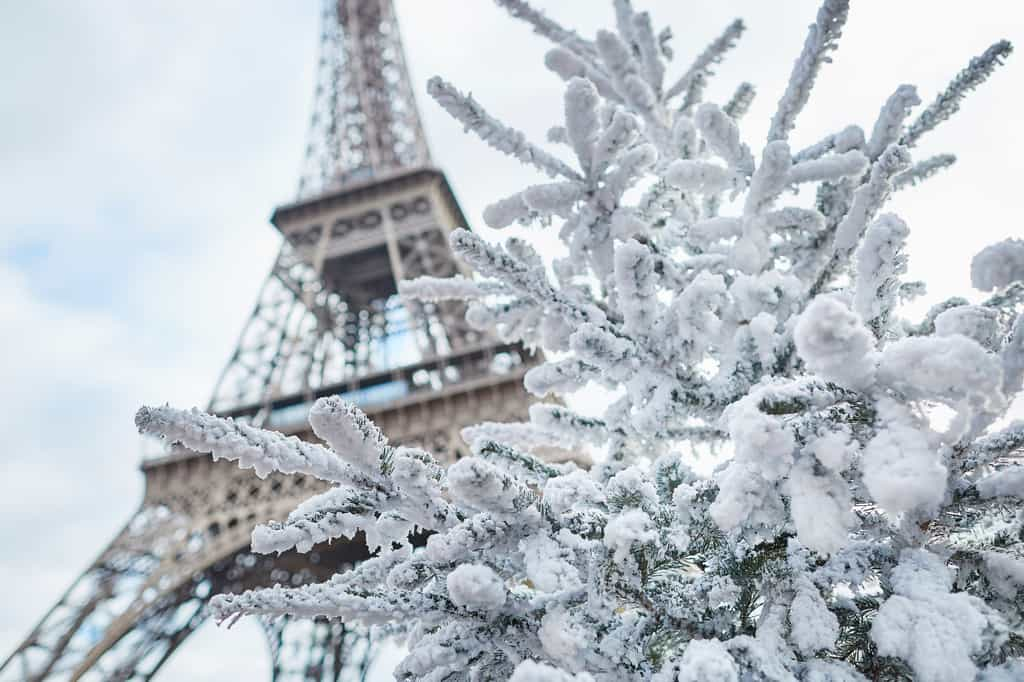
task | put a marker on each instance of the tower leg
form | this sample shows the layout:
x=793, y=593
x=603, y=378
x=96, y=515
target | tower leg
x=317, y=651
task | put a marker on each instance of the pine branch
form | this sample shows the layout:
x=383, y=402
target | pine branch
x=739, y=104
x=822, y=38
x=713, y=54
x=467, y=111
x=948, y=101
x=922, y=170
x=253, y=448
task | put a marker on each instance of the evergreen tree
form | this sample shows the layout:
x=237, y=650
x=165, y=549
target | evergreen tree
x=867, y=523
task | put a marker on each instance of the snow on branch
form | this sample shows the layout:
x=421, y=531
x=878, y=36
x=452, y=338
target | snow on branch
x=562, y=377
x=338, y=512
x=998, y=265
x=828, y=168
x=948, y=101
x=467, y=111
x=326, y=600
x=495, y=262
x=263, y=451
x=574, y=427
x=457, y=288
x=625, y=73
x=723, y=137
x=517, y=434
x=703, y=177
x=514, y=460
x=869, y=198
x=822, y=38
x=879, y=263
x=834, y=343
x=889, y=125
x=1001, y=443
x=650, y=51
x=713, y=54
x=349, y=432
x=582, y=125
x=568, y=65
x=739, y=104
x=851, y=137
x=544, y=26
x=922, y=170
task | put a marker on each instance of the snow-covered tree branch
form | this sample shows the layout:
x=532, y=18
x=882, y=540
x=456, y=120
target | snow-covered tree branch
x=866, y=522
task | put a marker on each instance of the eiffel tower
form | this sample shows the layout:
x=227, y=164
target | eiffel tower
x=371, y=211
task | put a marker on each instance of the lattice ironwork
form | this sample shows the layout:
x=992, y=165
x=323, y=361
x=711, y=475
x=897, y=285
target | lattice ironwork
x=365, y=122
x=146, y=592
x=336, y=654
x=327, y=320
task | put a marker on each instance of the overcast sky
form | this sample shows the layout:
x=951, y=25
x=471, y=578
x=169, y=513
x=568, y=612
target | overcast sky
x=145, y=144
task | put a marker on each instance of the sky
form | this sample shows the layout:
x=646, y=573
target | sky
x=145, y=145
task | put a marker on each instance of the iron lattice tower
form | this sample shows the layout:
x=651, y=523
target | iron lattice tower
x=371, y=211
